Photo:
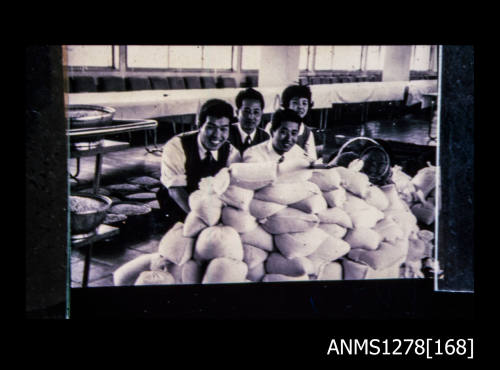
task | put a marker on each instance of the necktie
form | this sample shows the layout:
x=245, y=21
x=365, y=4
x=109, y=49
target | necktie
x=209, y=159
x=246, y=143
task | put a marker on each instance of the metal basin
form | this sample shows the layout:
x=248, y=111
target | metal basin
x=87, y=212
x=89, y=115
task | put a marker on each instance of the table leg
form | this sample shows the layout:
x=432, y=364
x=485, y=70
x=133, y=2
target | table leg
x=336, y=112
x=431, y=119
x=97, y=172
x=74, y=177
x=391, y=110
x=325, y=120
x=155, y=148
x=364, y=112
x=86, y=266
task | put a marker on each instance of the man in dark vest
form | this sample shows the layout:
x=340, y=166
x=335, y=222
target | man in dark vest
x=191, y=156
x=246, y=132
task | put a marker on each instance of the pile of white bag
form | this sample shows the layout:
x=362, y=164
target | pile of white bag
x=267, y=222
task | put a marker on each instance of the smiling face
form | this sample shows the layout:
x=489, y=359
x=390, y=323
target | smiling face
x=299, y=105
x=250, y=115
x=214, y=132
x=285, y=137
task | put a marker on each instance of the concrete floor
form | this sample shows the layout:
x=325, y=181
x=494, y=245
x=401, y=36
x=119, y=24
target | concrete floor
x=144, y=236
x=108, y=255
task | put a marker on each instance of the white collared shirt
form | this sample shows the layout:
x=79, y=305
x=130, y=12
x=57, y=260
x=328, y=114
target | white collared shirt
x=173, y=161
x=244, y=135
x=203, y=151
x=309, y=146
x=264, y=152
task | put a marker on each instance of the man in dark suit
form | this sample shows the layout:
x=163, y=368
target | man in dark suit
x=246, y=132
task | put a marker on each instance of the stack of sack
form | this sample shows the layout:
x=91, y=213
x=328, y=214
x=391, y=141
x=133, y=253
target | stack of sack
x=268, y=222
x=425, y=185
x=418, y=192
x=419, y=195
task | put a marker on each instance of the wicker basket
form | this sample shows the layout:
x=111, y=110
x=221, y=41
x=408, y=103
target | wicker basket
x=377, y=164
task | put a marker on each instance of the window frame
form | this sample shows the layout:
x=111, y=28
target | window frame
x=361, y=57
x=430, y=62
x=308, y=59
x=315, y=57
x=115, y=57
x=183, y=70
x=364, y=65
x=240, y=66
x=311, y=61
x=119, y=57
x=139, y=69
x=232, y=62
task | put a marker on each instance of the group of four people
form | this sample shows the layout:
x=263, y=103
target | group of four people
x=222, y=139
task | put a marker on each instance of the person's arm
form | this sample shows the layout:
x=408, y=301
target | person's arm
x=173, y=172
x=180, y=195
x=173, y=161
x=310, y=147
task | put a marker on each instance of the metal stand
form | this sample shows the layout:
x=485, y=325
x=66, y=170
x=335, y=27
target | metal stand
x=155, y=145
x=86, y=266
x=433, y=100
x=97, y=172
x=74, y=177
x=102, y=232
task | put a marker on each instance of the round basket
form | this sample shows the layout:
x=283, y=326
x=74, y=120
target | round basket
x=81, y=116
x=88, y=116
x=138, y=223
x=130, y=209
x=376, y=161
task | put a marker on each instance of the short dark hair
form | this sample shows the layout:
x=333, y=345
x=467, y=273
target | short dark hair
x=249, y=94
x=296, y=91
x=282, y=115
x=216, y=108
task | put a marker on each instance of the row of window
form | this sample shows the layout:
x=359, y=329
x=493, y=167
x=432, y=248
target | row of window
x=225, y=57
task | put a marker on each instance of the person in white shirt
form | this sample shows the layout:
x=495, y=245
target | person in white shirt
x=299, y=99
x=246, y=132
x=191, y=156
x=282, y=146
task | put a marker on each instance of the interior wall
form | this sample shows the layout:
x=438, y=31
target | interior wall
x=397, y=63
x=279, y=65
